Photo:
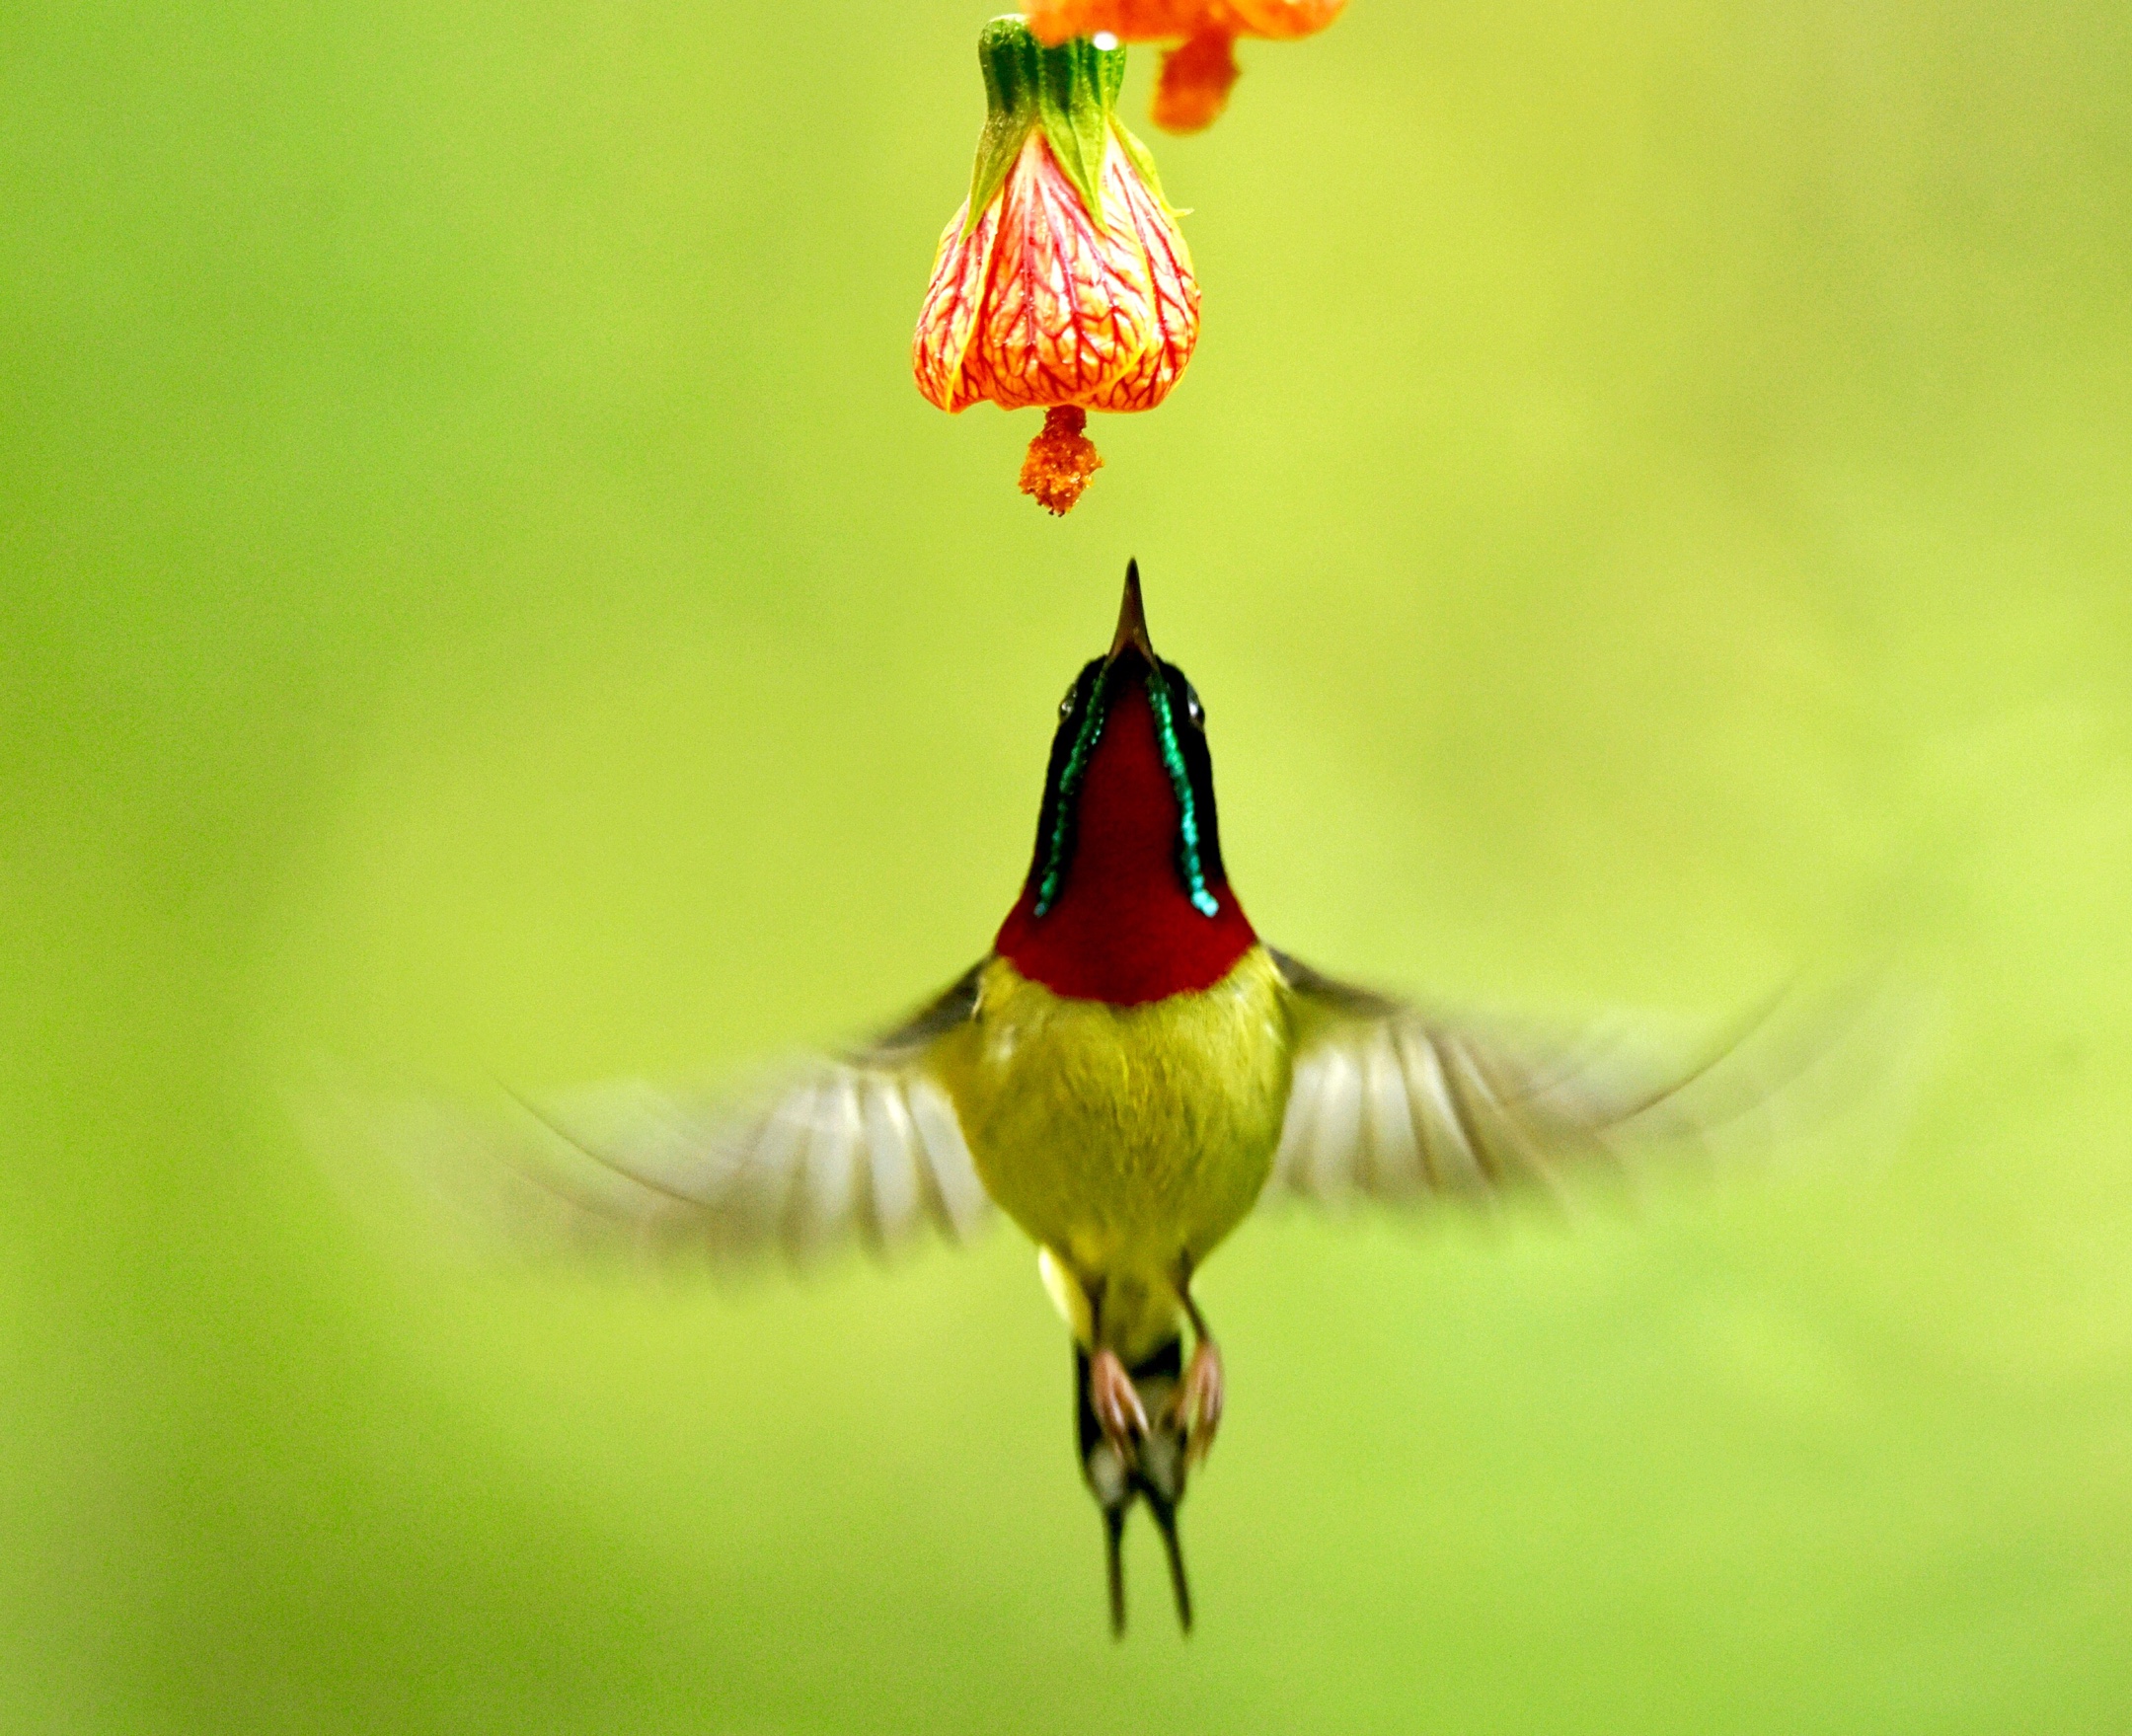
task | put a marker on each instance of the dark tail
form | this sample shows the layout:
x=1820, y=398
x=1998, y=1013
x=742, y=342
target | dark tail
x=1113, y=1538
x=1156, y=1476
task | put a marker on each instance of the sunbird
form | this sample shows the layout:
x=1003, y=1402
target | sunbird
x=1125, y=1074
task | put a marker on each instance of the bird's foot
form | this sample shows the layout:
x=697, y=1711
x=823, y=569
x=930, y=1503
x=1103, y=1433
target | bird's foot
x=1197, y=1404
x=1117, y=1404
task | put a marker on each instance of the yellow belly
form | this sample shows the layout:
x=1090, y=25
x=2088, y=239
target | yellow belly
x=1127, y=1140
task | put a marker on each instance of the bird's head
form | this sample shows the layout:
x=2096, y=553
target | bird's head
x=1127, y=899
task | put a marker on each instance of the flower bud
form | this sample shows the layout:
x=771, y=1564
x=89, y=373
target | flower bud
x=1063, y=281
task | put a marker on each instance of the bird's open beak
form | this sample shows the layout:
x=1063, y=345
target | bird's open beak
x=1131, y=621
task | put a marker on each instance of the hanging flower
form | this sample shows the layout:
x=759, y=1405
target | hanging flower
x=1197, y=73
x=1063, y=281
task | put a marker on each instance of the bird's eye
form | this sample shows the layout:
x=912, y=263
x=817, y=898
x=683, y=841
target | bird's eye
x=1193, y=707
x=1066, y=703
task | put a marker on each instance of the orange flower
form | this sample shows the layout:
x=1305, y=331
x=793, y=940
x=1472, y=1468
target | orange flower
x=1197, y=74
x=1062, y=282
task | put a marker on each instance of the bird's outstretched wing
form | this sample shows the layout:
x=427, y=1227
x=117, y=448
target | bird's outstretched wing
x=861, y=1148
x=1393, y=1105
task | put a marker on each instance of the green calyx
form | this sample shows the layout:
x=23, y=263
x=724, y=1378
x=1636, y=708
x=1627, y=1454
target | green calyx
x=1070, y=91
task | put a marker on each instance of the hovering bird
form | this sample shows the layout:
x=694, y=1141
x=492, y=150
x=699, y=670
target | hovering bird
x=1125, y=1074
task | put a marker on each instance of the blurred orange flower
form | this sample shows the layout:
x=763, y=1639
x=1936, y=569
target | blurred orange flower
x=1062, y=282
x=1196, y=75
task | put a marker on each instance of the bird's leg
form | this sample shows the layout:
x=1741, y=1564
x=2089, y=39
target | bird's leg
x=1198, y=1405
x=1112, y=1395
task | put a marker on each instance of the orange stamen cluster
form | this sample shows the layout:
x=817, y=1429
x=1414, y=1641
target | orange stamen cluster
x=1061, y=461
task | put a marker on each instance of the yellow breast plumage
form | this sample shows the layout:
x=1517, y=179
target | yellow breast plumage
x=1127, y=1140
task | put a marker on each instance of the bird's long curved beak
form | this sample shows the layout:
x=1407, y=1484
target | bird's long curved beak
x=1132, y=630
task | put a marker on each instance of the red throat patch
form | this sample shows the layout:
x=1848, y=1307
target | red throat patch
x=1124, y=929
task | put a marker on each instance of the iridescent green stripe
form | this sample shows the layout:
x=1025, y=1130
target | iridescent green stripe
x=1158, y=692
x=1069, y=794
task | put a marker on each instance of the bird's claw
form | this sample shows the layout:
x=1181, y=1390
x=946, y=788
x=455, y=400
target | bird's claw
x=1197, y=1402
x=1118, y=1406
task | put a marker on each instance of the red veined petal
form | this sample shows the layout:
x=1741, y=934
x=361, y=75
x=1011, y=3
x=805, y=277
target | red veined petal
x=1172, y=325
x=947, y=320
x=1068, y=308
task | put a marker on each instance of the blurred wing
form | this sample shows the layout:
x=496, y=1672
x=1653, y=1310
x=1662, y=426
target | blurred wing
x=1391, y=1104
x=862, y=1148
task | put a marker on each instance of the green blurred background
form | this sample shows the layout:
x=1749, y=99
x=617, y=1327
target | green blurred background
x=478, y=591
